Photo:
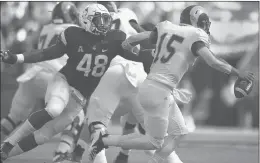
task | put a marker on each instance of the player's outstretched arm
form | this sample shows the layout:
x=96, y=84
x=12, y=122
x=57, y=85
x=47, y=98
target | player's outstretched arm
x=34, y=56
x=222, y=66
x=134, y=40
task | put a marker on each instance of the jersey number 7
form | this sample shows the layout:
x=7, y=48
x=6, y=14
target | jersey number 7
x=99, y=68
x=170, y=48
x=43, y=44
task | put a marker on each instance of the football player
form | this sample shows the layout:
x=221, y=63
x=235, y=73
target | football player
x=126, y=21
x=177, y=47
x=33, y=82
x=90, y=50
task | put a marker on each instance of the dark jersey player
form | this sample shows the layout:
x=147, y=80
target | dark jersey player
x=90, y=50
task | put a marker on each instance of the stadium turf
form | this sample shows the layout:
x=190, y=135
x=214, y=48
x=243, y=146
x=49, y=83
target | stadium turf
x=204, y=146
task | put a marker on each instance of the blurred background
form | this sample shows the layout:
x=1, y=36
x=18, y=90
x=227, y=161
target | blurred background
x=227, y=128
x=234, y=37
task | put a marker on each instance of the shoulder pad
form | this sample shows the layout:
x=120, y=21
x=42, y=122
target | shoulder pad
x=201, y=35
x=115, y=35
x=163, y=24
x=128, y=14
x=69, y=34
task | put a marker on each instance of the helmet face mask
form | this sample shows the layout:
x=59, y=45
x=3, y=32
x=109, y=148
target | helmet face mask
x=102, y=22
x=96, y=19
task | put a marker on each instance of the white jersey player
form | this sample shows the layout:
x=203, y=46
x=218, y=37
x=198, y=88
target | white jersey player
x=33, y=82
x=177, y=47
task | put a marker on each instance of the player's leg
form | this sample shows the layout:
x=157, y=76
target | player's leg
x=22, y=104
x=156, y=100
x=50, y=129
x=105, y=100
x=57, y=97
x=69, y=148
x=176, y=130
x=128, y=122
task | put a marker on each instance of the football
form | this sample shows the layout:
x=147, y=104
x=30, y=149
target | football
x=242, y=88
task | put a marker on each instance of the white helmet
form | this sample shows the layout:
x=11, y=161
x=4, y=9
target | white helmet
x=95, y=19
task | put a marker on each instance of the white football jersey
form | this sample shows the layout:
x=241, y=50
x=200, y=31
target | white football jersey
x=121, y=21
x=173, y=55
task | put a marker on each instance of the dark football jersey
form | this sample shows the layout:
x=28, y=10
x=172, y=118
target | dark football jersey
x=89, y=58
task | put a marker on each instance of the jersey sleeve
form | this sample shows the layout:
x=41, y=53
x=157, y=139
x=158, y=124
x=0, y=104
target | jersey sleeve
x=67, y=36
x=200, y=35
x=199, y=40
x=131, y=16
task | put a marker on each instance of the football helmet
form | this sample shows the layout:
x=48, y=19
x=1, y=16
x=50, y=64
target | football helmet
x=65, y=12
x=196, y=16
x=110, y=5
x=95, y=19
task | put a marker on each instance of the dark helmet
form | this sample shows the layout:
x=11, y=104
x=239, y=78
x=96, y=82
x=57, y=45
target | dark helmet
x=196, y=16
x=65, y=12
x=110, y=5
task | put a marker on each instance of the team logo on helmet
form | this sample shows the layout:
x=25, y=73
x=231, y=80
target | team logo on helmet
x=96, y=19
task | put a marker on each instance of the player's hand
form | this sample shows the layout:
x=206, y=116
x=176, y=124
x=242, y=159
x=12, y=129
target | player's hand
x=8, y=57
x=246, y=75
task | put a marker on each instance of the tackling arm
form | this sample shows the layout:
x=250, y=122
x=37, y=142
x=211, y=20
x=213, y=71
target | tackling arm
x=53, y=52
x=134, y=40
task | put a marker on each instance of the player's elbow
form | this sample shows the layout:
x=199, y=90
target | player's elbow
x=212, y=64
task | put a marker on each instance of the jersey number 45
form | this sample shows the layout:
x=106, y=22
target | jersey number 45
x=99, y=67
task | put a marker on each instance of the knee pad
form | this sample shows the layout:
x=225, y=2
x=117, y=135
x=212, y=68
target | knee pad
x=55, y=106
x=39, y=118
x=156, y=129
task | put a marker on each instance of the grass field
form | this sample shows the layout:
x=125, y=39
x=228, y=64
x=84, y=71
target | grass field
x=210, y=145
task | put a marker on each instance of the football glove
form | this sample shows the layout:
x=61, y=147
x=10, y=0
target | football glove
x=8, y=57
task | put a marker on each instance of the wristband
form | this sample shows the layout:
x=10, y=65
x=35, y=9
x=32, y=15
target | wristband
x=20, y=58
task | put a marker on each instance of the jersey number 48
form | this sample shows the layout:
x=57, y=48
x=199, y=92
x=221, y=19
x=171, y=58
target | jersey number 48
x=99, y=67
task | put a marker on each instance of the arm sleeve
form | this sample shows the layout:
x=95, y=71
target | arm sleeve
x=52, y=52
x=196, y=46
x=198, y=40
